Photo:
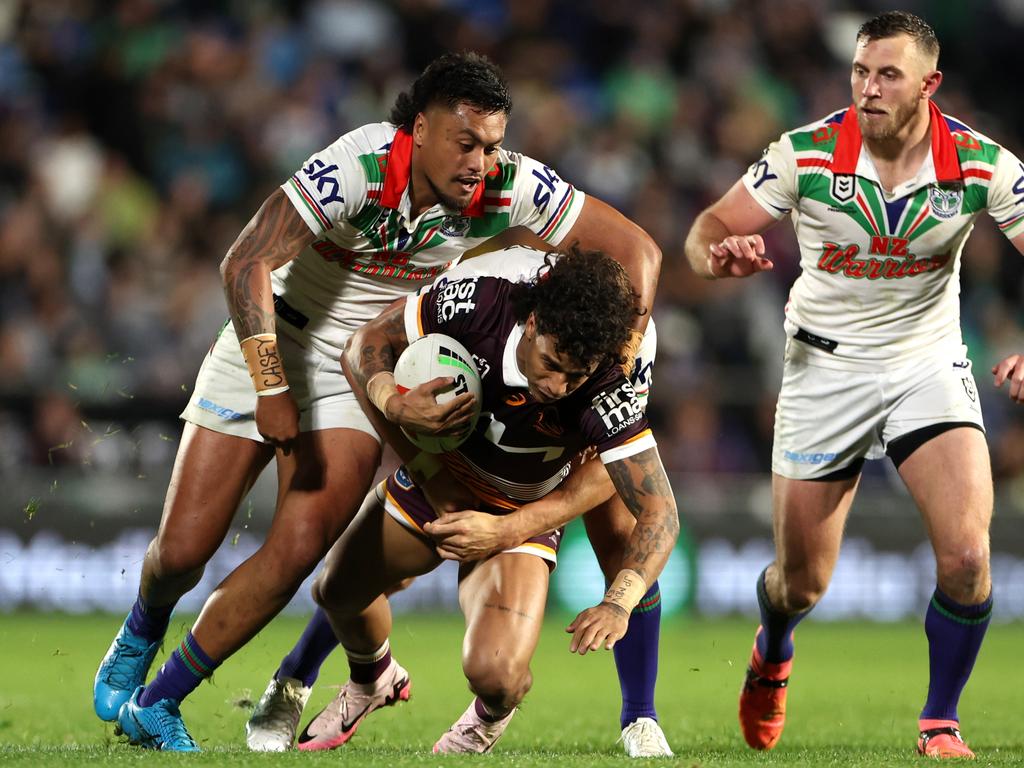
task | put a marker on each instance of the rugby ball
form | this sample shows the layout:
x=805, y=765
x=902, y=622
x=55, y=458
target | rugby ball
x=427, y=358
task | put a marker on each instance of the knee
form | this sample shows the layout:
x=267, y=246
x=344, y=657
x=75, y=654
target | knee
x=801, y=589
x=963, y=571
x=333, y=597
x=175, y=559
x=500, y=682
x=294, y=553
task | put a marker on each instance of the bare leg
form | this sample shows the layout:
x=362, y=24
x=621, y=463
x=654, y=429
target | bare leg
x=951, y=481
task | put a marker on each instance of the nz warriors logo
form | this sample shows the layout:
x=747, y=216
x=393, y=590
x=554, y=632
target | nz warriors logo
x=945, y=201
x=455, y=226
x=842, y=187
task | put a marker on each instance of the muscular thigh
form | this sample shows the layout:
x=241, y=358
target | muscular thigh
x=503, y=600
x=212, y=473
x=322, y=482
x=374, y=556
x=609, y=526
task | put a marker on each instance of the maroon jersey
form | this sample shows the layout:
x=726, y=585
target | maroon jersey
x=521, y=449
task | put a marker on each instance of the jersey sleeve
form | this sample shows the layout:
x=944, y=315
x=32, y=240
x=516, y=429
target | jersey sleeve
x=453, y=308
x=542, y=201
x=615, y=423
x=1006, y=194
x=771, y=181
x=330, y=186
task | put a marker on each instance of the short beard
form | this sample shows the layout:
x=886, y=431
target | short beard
x=896, y=123
x=447, y=200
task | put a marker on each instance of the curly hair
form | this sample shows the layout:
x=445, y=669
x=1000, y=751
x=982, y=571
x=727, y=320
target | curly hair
x=453, y=79
x=585, y=302
x=894, y=23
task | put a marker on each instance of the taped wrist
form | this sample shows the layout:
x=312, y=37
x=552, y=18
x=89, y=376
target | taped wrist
x=380, y=388
x=626, y=590
x=264, y=363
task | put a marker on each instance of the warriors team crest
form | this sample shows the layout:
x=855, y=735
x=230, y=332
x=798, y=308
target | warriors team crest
x=455, y=226
x=945, y=201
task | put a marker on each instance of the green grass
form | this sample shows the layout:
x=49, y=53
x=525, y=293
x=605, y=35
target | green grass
x=856, y=692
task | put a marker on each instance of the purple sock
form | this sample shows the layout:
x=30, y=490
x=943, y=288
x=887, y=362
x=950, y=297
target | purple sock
x=181, y=674
x=636, y=658
x=366, y=668
x=303, y=662
x=954, y=635
x=149, y=621
x=775, y=641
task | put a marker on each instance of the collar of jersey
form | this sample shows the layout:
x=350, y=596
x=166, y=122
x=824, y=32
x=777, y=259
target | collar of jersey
x=850, y=160
x=396, y=179
x=510, y=373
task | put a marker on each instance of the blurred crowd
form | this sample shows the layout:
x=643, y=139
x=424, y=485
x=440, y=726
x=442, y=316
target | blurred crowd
x=139, y=136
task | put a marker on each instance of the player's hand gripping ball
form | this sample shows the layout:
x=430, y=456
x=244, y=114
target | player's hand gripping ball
x=427, y=358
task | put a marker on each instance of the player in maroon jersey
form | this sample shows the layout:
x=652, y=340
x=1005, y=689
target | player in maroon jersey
x=552, y=386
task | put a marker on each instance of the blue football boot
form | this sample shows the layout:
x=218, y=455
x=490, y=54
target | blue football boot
x=155, y=727
x=122, y=670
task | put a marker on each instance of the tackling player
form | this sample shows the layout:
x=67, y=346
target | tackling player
x=378, y=214
x=883, y=195
x=471, y=535
x=550, y=390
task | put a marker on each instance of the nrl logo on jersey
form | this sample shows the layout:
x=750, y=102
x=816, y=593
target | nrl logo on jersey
x=455, y=226
x=945, y=200
x=842, y=187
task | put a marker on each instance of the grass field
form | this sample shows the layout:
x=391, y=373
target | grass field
x=855, y=695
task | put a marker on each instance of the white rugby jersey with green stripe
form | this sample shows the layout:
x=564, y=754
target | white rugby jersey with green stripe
x=354, y=195
x=880, y=272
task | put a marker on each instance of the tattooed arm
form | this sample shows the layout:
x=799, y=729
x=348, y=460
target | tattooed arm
x=641, y=482
x=272, y=238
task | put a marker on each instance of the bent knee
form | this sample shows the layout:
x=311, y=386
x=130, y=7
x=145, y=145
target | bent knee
x=174, y=559
x=963, y=571
x=500, y=682
x=801, y=591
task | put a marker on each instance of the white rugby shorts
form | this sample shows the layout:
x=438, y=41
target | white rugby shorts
x=828, y=418
x=224, y=399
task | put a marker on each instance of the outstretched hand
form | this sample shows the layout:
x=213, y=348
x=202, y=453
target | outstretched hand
x=1011, y=369
x=738, y=256
x=418, y=410
x=601, y=626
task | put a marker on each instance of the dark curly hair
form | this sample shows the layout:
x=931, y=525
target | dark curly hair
x=453, y=79
x=585, y=301
x=894, y=23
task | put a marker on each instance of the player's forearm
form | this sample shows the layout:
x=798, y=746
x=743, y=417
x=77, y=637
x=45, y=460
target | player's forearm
x=706, y=229
x=643, y=486
x=272, y=238
x=585, y=488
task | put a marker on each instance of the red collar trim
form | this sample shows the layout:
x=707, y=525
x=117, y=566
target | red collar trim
x=944, y=156
x=399, y=169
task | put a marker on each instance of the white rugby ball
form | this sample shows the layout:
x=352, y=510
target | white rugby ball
x=427, y=358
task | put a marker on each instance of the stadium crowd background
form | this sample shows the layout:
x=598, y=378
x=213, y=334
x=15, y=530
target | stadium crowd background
x=138, y=136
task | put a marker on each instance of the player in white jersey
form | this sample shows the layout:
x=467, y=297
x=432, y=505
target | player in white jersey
x=377, y=214
x=882, y=196
x=469, y=536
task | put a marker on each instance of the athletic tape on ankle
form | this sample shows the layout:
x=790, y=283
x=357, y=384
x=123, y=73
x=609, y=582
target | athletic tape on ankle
x=264, y=363
x=380, y=388
x=626, y=590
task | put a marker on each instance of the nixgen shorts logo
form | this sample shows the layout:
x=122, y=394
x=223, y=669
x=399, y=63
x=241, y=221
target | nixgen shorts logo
x=809, y=458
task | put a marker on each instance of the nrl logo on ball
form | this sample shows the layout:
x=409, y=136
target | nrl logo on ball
x=945, y=201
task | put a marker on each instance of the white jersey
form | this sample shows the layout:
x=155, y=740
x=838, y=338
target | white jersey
x=880, y=272
x=518, y=263
x=369, y=251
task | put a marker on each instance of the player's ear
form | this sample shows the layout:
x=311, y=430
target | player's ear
x=931, y=83
x=530, y=330
x=419, y=129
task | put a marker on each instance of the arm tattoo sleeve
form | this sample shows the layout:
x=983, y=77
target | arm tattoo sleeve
x=379, y=343
x=644, y=488
x=274, y=236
